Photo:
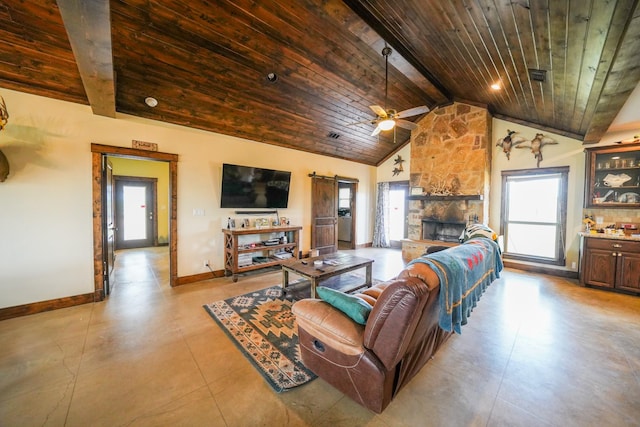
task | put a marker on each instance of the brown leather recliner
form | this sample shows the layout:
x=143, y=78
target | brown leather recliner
x=371, y=363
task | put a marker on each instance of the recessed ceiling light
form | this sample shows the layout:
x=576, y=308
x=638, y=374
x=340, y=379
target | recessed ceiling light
x=151, y=101
x=496, y=86
x=272, y=77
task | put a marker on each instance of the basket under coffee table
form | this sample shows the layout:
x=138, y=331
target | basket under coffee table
x=334, y=264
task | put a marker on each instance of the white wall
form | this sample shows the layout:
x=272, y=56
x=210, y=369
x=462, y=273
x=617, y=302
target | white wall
x=627, y=123
x=385, y=170
x=568, y=152
x=46, y=241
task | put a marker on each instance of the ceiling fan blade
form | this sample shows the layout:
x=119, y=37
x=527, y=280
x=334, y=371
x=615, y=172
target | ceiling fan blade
x=376, y=131
x=369, y=122
x=379, y=110
x=412, y=112
x=406, y=124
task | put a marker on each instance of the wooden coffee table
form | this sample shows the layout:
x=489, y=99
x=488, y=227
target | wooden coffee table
x=334, y=264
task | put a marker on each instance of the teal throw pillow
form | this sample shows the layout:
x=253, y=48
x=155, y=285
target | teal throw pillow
x=354, y=307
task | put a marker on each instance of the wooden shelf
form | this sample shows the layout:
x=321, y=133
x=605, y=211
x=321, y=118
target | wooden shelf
x=445, y=198
x=244, y=250
x=596, y=170
x=623, y=187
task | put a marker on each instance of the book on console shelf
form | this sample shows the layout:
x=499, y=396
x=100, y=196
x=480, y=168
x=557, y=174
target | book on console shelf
x=282, y=255
x=245, y=260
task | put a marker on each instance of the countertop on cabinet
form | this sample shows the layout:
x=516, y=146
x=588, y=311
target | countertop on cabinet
x=633, y=237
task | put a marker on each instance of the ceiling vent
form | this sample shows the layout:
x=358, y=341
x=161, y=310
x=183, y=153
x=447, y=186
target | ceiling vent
x=538, y=75
x=333, y=135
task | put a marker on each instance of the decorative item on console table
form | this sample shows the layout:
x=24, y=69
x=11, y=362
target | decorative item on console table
x=613, y=177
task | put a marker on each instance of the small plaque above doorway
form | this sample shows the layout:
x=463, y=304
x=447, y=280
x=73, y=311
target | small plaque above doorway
x=143, y=145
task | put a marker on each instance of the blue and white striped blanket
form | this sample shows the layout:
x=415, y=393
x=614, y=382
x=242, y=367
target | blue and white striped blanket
x=464, y=271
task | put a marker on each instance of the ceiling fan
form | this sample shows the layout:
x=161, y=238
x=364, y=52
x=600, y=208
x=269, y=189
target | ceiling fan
x=388, y=119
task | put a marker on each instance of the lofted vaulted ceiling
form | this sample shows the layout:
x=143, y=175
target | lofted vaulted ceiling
x=206, y=62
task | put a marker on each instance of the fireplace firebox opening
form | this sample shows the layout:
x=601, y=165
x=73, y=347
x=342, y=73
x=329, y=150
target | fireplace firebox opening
x=444, y=231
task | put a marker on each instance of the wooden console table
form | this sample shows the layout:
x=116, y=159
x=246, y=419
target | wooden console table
x=262, y=254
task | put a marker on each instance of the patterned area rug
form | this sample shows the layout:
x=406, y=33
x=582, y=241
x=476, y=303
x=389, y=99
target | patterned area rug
x=263, y=327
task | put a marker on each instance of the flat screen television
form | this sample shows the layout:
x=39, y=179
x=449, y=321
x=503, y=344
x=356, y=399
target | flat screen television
x=248, y=187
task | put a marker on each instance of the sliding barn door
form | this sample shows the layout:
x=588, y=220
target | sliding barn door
x=324, y=214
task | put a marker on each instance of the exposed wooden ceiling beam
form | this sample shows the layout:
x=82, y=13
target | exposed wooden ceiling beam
x=88, y=25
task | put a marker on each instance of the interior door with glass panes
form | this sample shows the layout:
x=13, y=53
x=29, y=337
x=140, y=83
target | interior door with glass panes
x=135, y=212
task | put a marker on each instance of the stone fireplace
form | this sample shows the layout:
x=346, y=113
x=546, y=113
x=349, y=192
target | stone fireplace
x=451, y=163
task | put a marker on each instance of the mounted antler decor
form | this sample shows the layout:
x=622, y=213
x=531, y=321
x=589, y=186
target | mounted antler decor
x=4, y=118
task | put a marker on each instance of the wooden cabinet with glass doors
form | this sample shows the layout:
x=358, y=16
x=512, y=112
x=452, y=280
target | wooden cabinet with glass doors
x=613, y=177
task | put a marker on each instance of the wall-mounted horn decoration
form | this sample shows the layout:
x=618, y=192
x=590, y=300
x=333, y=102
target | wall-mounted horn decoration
x=4, y=119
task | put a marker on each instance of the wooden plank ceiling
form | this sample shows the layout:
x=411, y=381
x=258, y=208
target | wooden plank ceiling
x=206, y=62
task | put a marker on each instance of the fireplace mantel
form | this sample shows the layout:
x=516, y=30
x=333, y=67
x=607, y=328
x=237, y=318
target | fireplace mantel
x=445, y=198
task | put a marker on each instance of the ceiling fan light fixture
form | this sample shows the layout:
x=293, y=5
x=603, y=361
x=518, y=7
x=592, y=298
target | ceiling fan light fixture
x=387, y=124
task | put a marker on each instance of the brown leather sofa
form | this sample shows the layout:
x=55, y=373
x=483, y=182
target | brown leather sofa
x=371, y=363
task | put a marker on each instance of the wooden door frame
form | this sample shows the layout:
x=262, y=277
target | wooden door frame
x=353, y=185
x=338, y=179
x=154, y=203
x=98, y=152
x=109, y=215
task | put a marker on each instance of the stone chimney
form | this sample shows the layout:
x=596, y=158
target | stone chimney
x=451, y=162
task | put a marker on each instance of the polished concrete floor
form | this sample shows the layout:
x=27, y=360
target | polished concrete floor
x=538, y=351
